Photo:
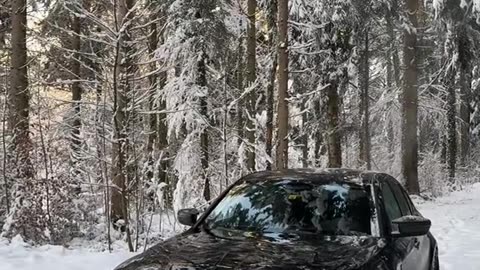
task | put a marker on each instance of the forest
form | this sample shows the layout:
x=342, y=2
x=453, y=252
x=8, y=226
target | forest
x=117, y=113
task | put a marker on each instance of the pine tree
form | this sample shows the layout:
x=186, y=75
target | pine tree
x=272, y=38
x=122, y=89
x=19, y=91
x=76, y=85
x=251, y=80
x=410, y=100
x=364, y=84
x=282, y=110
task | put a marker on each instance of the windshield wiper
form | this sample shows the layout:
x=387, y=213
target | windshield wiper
x=206, y=228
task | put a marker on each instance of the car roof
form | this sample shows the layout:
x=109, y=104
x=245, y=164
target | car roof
x=350, y=176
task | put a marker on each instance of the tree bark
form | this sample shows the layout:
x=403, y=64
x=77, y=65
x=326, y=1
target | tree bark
x=421, y=53
x=465, y=93
x=241, y=88
x=451, y=131
x=282, y=111
x=364, y=78
x=393, y=74
x=251, y=78
x=204, y=140
x=124, y=69
x=390, y=125
x=410, y=102
x=334, y=137
x=272, y=15
x=304, y=137
x=157, y=136
x=18, y=96
x=393, y=48
x=443, y=151
x=153, y=41
x=318, y=135
x=464, y=114
x=76, y=88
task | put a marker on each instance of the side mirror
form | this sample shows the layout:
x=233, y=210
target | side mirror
x=410, y=226
x=187, y=217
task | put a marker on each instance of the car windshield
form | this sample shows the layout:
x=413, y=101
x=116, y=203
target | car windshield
x=294, y=207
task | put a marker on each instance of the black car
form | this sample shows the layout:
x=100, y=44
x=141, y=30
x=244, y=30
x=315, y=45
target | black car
x=335, y=219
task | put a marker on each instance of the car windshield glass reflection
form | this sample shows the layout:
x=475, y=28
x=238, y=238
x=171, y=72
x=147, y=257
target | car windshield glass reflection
x=294, y=207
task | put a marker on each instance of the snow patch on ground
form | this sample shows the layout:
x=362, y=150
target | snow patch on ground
x=455, y=219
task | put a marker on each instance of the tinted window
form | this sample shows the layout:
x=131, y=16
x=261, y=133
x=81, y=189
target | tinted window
x=413, y=210
x=294, y=207
x=402, y=201
x=391, y=205
x=410, y=203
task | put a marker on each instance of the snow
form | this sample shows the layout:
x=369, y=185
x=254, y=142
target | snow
x=20, y=256
x=476, y=8
x=455, y=223
x=437, y=6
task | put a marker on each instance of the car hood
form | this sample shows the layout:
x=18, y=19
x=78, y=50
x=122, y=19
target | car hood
x=220, y=250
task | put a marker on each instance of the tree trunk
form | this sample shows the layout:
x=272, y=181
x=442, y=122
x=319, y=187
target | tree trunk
x=251, y=78
x=124, y=69
x=282, y=111
x=390, y=125
x=451, y=100
x=162, y=144
x=304, y=137
x=393, y=47
x=272, y=15
x=153, y=41
x=393, y=74
x=421, y=52
x=364, y=77
x=240, y=86
x=318, y=135
x=443, y=151
x=465, y=93
x=464, y=114
x=334, y=138
x=18, y=96
x=76, y=89
x=270, y=109
x=410, y=103
x=157, y=136
x=451, y=131
x=204, y=140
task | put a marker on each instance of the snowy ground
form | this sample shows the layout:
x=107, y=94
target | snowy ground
x=19, y=256
x=456, y=225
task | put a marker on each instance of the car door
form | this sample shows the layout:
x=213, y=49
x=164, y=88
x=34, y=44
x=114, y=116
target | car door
x=406, y=249
x=422, y=244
